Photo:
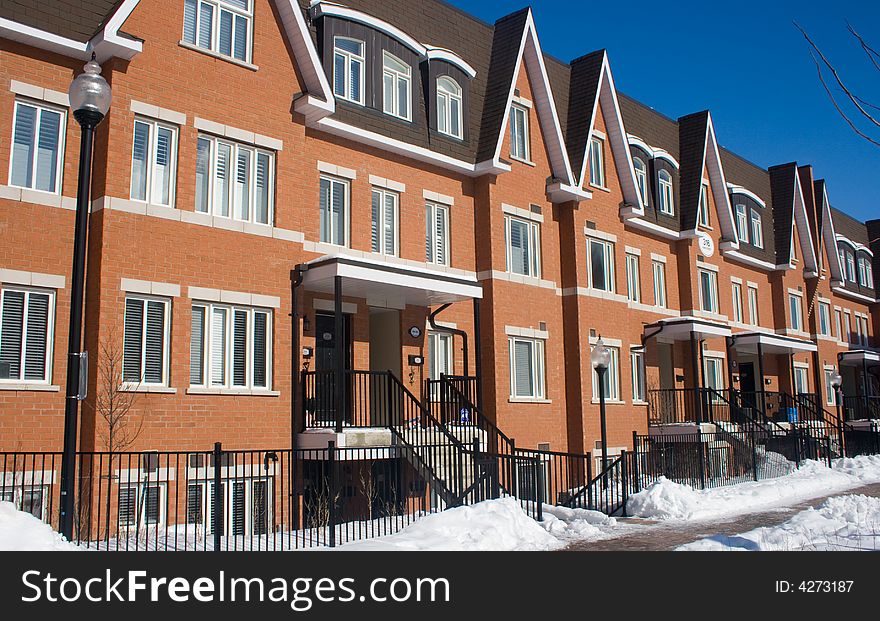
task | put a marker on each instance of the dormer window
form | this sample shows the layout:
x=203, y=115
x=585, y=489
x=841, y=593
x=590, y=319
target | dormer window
x=220, y=26
x=667, y=197
x=641, y=178
x=742, y=228
x=703, y=214
x=866, y=273
x=449, y=107
x=396, y=87
x=348, y=69
x=757, y=229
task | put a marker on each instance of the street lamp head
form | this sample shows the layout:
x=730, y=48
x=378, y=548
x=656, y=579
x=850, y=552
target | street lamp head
x=90, y=95
x=836, y=381
x=601, y=355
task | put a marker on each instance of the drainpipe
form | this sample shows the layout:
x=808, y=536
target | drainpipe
x=464, y=337
x=296, y=279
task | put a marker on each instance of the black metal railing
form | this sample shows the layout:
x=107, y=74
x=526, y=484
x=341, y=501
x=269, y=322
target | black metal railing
x=861, y=408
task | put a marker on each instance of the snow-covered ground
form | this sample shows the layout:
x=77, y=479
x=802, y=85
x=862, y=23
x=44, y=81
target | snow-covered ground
x=21, y=531
x=840, y=523
x=667, y=500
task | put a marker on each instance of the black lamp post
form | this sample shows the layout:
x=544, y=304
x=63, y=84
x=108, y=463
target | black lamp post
x=90, y=100
x=601, y=358
x=836, y=383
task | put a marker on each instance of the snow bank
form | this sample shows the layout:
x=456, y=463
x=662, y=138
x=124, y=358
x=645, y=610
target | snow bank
x=840, y=523
x=21, y=532
x=667, y=500
x=492, y=525
x=577, y=524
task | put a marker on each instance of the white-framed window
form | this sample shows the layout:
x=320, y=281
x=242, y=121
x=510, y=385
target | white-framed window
x=838, y=324
x=801, y=381
x=222, y=26
x=437, y=234
x=862, y=327
x=597, y=162
x=659, y=269
x=830, y=393
x=526, y=368
x=757, y=229
x=348, y=69
x=850, y=267
x=742, y=223
x=26, y=335
x=633, y=278
x=611, y=378
x=841, y=253
x=153, y=162
x=795, y=312
x=333, y=211
x=637, y=370
x=754, y=317
x=31, y=497
x=234, y=181
x=141, y=504
x=708, y=291
x=714, y=373
x=146, y=340
x=824, y=319
x=601, y=265
x=37, y=156
x=523, y=246
x=247, y=506
x=667, y=194
x=396, y=87
x=383, y=228
x=866, y=273
x=439, y=358
x=737, y=293
x=703, y=209
x=450, y=107
x=847, y=328
x=641, y=178
x=230, y=346
x=519, y=132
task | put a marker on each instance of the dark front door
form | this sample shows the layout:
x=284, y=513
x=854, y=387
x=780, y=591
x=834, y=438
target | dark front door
x=325, y=365
x=747, y=385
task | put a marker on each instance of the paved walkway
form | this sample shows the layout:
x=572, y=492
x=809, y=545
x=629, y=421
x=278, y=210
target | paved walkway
x=657, y=536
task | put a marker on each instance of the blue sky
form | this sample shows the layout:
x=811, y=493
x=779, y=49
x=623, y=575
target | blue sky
x=745, y=62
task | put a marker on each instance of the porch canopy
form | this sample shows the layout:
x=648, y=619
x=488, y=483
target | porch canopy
x=767, y=343
x=859, y=358
x=392, y=285
x=685, y=329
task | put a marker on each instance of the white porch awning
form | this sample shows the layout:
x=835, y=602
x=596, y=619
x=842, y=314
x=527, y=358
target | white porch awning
x=390, y=285
x=747, y=342
x=681, y=329
x=860, y=357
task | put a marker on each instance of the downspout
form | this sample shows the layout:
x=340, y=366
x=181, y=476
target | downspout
x=464, y=337
x=296, y=279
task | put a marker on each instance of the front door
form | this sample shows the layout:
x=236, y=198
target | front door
x=747, y=384
x=325, y=365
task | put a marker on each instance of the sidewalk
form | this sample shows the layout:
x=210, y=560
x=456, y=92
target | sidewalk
x=658, y=536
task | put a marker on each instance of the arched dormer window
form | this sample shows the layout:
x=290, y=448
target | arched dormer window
x=396, y=87
x=641, y=178
x=667, y=196
x=348, y=69
x=449, y=107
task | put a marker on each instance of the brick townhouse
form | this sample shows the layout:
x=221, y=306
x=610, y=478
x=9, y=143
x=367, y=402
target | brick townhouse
x=473, y=207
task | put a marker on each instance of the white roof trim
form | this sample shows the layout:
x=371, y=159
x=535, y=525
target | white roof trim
x=719, y=186
x=855, y=245
x=656, y=153
x=738, y=189
x=107, y=43
x=830, y=238
x=530, y=52
x=319, y=9
x=606, y=97
x=739, y=257
x=853, y=296
x=801, y=218
x=439, y=53
x=319, y=100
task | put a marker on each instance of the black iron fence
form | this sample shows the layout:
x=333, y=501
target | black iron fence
x=861, y=408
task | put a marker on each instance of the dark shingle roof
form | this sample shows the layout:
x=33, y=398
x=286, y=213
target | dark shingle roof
x=656, y=129
x=79, y=20
x=585, y=73
x=692, y=143
x=849, y=227
x=782, y=188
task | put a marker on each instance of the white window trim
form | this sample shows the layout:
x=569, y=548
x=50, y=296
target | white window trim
x=382, y=250
x=434, y=208
x=450, y=97
x=636, y=354
x=62, y=141
x=713, y=280
x=597, y=168
x=214, y=50
x=534, y=243
x=608, y=262
x=50, y=337
x=166, y=344
x=612, y=372
x=346, y=220
x=154, y=126
x=753, y=300
x=799, y=315
x=525, y=158
x=633, y=278
x=659, y=268
x=397, y=76
x=350, y=58
x=538, y=368
x=666, y=190
x=756, y=228
x=703, y=218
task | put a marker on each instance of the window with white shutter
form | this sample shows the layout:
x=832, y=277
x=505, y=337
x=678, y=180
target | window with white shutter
x=221, y=26
x=437, y=234
x=234, y=180
x=383, y=230
x=146, y=341
x=348, y=69
x=230, y=347
x=523, y=246
x=26, y=322
x=526, y=368
x=153, y=163
x=334, y=211
x=37, y=147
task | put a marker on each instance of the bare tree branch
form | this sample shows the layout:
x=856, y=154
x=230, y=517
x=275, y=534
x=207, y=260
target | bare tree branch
x=855, y=100
x=872, y=54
